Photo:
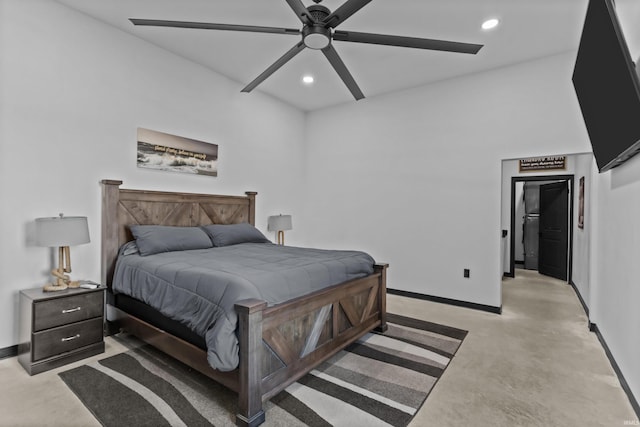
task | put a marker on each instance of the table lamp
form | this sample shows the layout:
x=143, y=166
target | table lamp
x=279, y=223
x=62, y=232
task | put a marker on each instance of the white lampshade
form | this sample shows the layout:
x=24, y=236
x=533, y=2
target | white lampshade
x=62, y=231
x=279, y=223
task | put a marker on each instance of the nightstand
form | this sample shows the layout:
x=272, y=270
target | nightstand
x=60, y=327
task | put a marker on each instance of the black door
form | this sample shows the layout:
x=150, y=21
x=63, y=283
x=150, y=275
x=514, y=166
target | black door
x=554, y=229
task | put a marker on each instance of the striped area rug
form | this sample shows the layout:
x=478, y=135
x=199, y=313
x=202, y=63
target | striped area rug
x=381, y=380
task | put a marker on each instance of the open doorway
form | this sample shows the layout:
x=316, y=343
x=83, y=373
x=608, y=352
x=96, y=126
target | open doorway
x=542, y=225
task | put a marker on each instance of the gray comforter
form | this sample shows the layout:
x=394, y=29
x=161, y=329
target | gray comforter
x=200, y=287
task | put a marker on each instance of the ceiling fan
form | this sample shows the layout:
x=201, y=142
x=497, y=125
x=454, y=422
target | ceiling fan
x=318, y=30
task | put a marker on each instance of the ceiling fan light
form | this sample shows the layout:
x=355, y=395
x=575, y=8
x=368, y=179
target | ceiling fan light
x=490, y=23
x=316, y=37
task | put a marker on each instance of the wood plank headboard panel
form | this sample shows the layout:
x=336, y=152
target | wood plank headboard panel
x=123, y=207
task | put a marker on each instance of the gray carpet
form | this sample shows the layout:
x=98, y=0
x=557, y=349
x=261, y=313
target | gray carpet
x=383, y=379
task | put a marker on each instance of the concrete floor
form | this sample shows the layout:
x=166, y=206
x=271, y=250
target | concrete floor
x=537, y=364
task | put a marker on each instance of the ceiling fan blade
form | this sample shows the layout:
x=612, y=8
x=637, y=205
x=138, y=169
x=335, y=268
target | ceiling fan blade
x=333, y=57
x=401, y=41
x=342, y=13
x=211, y=26
x=274, y=67
x=301, y=11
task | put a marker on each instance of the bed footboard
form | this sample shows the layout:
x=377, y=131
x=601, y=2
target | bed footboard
x=282, y=343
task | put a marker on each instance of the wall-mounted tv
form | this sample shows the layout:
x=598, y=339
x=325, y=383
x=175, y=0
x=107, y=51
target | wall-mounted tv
x=607, y=86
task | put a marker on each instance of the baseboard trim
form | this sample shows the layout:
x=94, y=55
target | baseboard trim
x=584, y=305
x=634, y=403
x=465, y=304
x=8, y=352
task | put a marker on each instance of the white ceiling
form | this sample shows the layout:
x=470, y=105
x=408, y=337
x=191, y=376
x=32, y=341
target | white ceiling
x=529, y=29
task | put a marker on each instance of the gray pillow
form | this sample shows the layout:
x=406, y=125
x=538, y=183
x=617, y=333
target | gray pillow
x=232, y=234
x=153, y=239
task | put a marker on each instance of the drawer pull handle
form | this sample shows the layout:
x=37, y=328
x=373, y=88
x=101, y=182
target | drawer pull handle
x=71, y=310
x=70, y=338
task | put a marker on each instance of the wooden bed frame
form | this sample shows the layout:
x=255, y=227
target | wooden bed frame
x=278, y=344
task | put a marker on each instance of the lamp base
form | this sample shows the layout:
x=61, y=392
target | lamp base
x=53, y=287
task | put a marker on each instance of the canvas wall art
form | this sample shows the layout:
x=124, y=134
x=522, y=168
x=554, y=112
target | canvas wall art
x=166, y=152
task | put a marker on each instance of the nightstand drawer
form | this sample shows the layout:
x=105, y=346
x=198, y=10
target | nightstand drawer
x=66, y=338
x=62, y=311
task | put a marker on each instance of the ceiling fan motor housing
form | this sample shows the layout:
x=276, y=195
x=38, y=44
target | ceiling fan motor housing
x=317, y=35
x=318, y=12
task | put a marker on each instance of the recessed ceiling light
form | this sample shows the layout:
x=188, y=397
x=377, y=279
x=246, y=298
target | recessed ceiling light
x=307, y=80
x=490, y=23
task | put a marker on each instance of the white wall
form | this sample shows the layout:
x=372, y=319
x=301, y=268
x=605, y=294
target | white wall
x=582, y=244
x=615, y=208
x=615, y=290
x=628, y=12
x=415, y=177
x=73, y=92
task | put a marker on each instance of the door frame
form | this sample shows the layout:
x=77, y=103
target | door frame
x=512, y=240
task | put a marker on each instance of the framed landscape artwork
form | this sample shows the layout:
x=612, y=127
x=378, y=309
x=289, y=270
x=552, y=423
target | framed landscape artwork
x=162, y=151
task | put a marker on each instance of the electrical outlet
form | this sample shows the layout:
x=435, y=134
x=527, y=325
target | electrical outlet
x=467, y=273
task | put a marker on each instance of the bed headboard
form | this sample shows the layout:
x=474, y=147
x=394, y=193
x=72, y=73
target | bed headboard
x=123, y=207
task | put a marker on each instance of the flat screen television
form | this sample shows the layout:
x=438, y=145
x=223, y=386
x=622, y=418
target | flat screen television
x=607, y=86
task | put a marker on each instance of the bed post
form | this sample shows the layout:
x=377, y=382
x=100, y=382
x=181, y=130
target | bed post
x=382, y=295
x=250, y=412
x=251, y=195
x=110, y=199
